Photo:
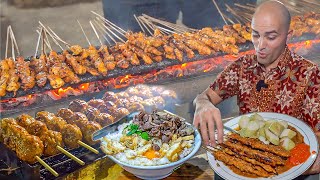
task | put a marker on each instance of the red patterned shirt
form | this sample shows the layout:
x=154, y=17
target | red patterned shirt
x=293, y=87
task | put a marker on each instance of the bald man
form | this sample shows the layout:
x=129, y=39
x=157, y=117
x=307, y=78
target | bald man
x=274, y=79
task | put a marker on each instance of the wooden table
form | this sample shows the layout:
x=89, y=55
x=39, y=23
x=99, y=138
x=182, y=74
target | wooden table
x=195, y=168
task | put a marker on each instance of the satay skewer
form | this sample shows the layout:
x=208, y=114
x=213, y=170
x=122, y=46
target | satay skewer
x=103, y=28
x=214, y=2
x=14, y=41
x=109, y=22
x=107, y=28
x=52, y=171
x=84, y=33
x=103, y=34
x=95, y=31
x=138, y=22
x=144, y=24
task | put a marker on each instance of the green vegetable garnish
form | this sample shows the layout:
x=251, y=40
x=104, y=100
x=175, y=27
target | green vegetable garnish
x=134, y=129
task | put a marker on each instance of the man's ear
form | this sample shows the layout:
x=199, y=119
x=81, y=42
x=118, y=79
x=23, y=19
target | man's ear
x=289, y=35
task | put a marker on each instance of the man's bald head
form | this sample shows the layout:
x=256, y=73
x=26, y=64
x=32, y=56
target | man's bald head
x=275, y=9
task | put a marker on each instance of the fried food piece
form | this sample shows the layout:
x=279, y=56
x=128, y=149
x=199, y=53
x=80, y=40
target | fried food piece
x=78, y=105
x=239, y=163
x=71, y=135
x=263, y=157
x=256, y=144
x=26, y=74
x=52, y=122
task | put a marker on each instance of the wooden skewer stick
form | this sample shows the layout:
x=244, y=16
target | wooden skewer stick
x=109, y=22
x=54, y=40
x=70, y=155
x=88, y=147
x=52, y=171
x=97, y=24
x=12, y=44
x=100, y=25
x=107, y=28
x=37, y=47
x=214, y=2
x=58, y=38
x=15, y=42
x=7, y=43
x=45, y=40
x=139, y=23
x=84, y=33
x=175, y=27
x=95, y=31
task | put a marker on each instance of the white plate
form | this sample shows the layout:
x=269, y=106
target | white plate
x=309, y=138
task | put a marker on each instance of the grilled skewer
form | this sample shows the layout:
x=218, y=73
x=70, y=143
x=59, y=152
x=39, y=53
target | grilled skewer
x=28, y=148
x=52, y=140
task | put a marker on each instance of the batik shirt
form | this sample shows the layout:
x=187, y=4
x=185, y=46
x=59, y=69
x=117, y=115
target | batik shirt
x=293, y=87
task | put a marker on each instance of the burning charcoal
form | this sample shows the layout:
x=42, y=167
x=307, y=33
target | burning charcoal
x=96, y=103
x=122, y=95
x=78, y=105
x=92, y=113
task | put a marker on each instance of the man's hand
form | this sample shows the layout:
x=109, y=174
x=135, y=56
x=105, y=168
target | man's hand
x=208, y=118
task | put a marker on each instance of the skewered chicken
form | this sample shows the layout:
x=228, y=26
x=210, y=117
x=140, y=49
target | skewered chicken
x=41, y=70
x=13, y=84
x=26, y=74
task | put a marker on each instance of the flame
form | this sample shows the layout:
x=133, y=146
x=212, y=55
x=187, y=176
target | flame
x=84, y=86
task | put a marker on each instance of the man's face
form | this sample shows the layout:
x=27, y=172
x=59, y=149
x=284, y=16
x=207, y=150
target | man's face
x=269, y=36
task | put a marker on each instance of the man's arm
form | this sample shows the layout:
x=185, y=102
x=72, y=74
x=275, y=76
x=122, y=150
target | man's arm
x=207, y=117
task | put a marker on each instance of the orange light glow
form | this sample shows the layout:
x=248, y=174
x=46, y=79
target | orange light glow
x=84, y=86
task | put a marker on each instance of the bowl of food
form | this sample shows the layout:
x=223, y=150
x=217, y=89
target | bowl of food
x=151, y=146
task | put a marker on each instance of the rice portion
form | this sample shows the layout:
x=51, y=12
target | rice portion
x=112, y=144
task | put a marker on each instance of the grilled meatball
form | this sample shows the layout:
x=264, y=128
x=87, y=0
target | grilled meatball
x=66, y=114
x=105, y=119
x=135, y=106
x=135, y=99
x=109, y=96
x=122, y=95
x=53, y=123
x=71, y=135
x=120, y=112
x=51, y=139
x=32, y=126
x=92, y=113
x=78, y=105
x=132, y=91
x=96, y=103
x=122, y=103
x=79, y=119
x=90, y=128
